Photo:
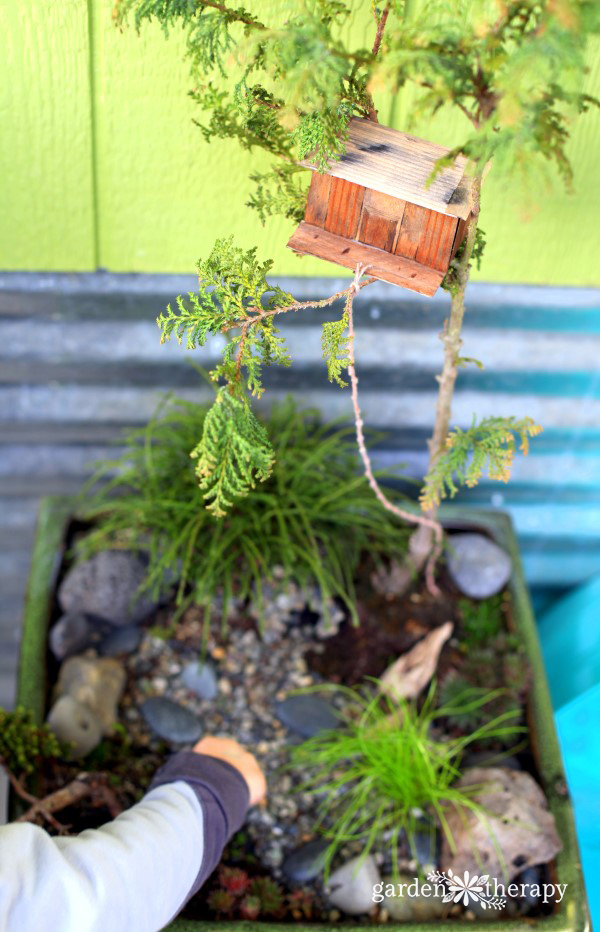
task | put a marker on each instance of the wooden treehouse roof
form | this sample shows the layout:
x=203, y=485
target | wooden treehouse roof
x=386, y=160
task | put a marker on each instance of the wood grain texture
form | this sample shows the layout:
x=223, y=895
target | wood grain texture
x=435, y=247
x=312, y=241
x=345, y=205
x=377, y=231
x=318, y=199
x=461, y=232
x=414, y=223
x=384, y=205
x=400, y=165
x=46, y=161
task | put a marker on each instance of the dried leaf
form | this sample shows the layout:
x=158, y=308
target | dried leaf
x=411, y=672
x=515, y=821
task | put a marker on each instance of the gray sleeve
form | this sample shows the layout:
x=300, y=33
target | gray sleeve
x=133, y=874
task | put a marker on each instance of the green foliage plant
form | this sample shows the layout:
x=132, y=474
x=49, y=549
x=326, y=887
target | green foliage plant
x=482, y=620
x=314, y=516
x=390, y=766
x=287, y=78
x=23, y=744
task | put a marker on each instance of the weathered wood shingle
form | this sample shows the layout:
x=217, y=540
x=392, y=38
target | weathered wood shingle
x=395, y=163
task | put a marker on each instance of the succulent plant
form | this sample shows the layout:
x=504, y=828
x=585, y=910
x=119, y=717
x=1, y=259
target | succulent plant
x=234, y=880
x=221, y=902
x=250, y=907
x=270, y=895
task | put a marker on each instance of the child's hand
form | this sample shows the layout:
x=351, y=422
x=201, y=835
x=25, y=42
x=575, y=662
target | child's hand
x=233, y=753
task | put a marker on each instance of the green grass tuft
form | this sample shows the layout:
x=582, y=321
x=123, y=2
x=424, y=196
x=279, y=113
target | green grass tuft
x=315, y=516
x=390, y=768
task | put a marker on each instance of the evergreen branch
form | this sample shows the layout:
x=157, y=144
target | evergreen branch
x=490, y=444
x=381, y=23
x=233, y=454
x=278, y=192
x=334, y=343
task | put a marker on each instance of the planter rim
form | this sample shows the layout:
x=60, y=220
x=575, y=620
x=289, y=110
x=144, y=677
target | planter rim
x=573, y=915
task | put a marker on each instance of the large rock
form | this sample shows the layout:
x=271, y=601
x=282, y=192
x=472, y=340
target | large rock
x=74, y=632
x=75, y=725
x=200, y=679
x=478, y=566
x=351, y=886
x=515, y=820
x=306, y=714
x=107, y=585
x=122, y=640
x=306, y=862
x=97, y=682
x=171, y=721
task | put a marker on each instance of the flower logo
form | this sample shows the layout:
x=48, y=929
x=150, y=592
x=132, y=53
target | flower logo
x=466, y=888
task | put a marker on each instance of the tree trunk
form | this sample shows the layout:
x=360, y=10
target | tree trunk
x=421, y=541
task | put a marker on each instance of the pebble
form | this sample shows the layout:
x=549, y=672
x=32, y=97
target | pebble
x=307, y=862
x=107, y=585
x=121, y=641
x=426, y=847
x=76, y=725
x=306, y=714
x=201, y=679
x=351, y=886
x=98, y=682
x=71, y=634
x=171, y=721
x=532, y=876
x=478, y=566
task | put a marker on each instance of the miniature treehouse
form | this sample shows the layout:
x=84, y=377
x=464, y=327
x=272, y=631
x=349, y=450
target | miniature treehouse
x=375, y=207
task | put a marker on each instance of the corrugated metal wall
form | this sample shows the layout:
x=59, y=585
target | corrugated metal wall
x=80, y=360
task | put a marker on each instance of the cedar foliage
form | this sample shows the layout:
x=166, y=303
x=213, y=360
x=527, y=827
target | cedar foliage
x=286, y=78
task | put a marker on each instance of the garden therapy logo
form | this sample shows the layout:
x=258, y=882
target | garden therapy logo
x=466, y=888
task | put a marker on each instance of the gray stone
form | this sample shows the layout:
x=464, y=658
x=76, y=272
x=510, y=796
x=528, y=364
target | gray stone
x=171, y=721
x=478, y=567
x=351, y=886
x=425, y=847
x=75, y=725
x=121, y=641
x=98, y=682
x=107, y=585
x=411, y=908
x=74, y=633
x=531, y=877
x=200, y=679
x=306, y=714
x=307, y=862
x=70, y=635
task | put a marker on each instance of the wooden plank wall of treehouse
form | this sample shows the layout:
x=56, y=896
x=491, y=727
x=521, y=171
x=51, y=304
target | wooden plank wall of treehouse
x=103, y=165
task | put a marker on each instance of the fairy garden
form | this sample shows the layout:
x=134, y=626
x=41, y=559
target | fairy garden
x=252, y=575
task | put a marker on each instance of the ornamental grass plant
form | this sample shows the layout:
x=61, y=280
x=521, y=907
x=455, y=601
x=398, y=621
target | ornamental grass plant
x=314, y=517
x=391, y=769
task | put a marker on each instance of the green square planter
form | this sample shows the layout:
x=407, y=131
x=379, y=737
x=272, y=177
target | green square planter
x=571, y=914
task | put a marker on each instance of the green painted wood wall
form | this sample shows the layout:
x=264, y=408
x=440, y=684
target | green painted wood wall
x=101, y=165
